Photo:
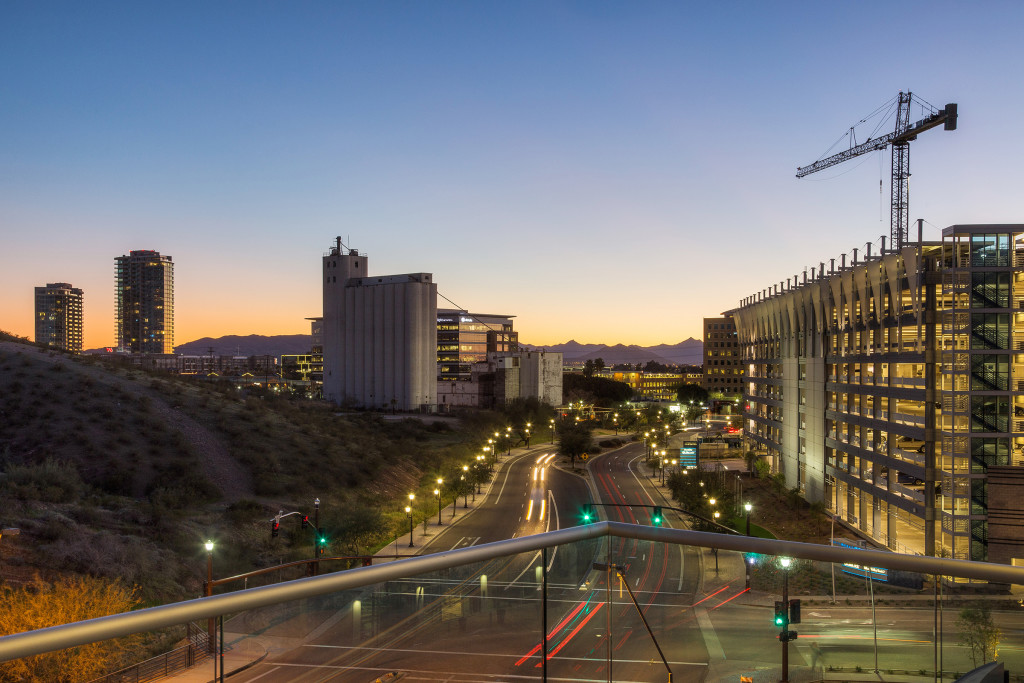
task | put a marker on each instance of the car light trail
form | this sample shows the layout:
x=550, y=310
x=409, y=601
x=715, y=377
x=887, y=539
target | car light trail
x=541, y=517
x=529, y=510
x=728, y=599
x=553, y=631
x=711, y=596
x=576, y=630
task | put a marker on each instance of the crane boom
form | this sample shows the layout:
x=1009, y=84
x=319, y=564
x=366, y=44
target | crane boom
x=900, y=140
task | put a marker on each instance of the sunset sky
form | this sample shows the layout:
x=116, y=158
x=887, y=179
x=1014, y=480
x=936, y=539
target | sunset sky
x=605, y=171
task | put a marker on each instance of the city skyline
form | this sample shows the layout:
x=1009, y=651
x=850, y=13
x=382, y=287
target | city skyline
x=569, y=163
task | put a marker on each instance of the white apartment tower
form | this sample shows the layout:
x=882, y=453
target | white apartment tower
x=379, y=335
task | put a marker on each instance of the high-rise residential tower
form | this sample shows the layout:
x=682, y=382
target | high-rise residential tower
x=145, y=303
x=379, y=335
x=59, y=316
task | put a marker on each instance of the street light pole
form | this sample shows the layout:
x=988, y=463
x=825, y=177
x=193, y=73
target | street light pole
x=437, y=492
x=408, y=511
x=785, y=601
x=717, y=515
x=211, y=623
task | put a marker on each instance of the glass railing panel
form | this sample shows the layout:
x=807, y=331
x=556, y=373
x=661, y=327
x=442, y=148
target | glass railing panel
x=630, y=609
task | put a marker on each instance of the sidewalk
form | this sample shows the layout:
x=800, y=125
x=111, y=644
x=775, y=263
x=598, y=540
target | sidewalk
x=242, y=651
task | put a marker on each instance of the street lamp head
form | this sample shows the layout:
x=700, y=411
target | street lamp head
x=748, y=507
x=465, y=468
x=209, y=546
x=412, y=496
x=712, y=501
x=717, y=515
x=437, y=492
x=408, y=510
x=785, y=561
x=440, y=481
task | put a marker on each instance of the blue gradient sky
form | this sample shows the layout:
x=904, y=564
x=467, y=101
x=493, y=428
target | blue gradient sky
x=605, y=171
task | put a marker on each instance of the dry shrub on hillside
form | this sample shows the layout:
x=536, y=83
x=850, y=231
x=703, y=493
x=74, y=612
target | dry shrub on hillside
x=42, y=604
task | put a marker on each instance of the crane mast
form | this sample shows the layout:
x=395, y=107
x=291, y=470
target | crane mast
x=900, y=140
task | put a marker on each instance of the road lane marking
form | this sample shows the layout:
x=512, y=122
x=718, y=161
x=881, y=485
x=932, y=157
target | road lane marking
x=707, y=630
x=508, y=471
x=529, y=566
x=267, y=673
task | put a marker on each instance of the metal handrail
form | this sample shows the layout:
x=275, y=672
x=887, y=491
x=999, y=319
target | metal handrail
x=80, y=633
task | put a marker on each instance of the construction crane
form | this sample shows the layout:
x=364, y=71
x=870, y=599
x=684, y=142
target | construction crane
x=900, y=140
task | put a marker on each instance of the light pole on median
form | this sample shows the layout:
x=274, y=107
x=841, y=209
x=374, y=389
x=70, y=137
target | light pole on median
x=465, y=493
x=408, y=512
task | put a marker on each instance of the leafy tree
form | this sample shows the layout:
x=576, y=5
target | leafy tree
x=41, y=604
x=354, y=527
x=750, y=457
x=601, y=391
x=573, y=439
x=598, y=364
x=762, y=470
x=691, y=392
x=695, y=489
x=979, y=633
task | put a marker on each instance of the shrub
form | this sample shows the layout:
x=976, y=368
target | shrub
x=42, y=604
x=52, y=481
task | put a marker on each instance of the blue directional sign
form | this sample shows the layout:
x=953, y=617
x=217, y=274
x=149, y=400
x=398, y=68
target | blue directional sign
x=689, y=456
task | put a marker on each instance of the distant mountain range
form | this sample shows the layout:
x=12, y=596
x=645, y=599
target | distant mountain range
x=250, y=345
x=688, y=352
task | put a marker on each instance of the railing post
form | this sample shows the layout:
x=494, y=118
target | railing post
x=544, y=614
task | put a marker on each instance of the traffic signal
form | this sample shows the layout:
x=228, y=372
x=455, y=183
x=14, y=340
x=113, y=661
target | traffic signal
x=321, y=543
x=787, y=636
x=305, y=521
x=656, y=517
x=794, y=611
x=275, y=527
x=781, y=617
x=588, y=514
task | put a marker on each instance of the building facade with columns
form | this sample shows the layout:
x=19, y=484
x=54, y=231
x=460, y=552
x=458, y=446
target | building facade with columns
x=891, y=388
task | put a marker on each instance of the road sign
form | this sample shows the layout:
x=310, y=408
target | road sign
x=584, y=456
x=689, y=456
